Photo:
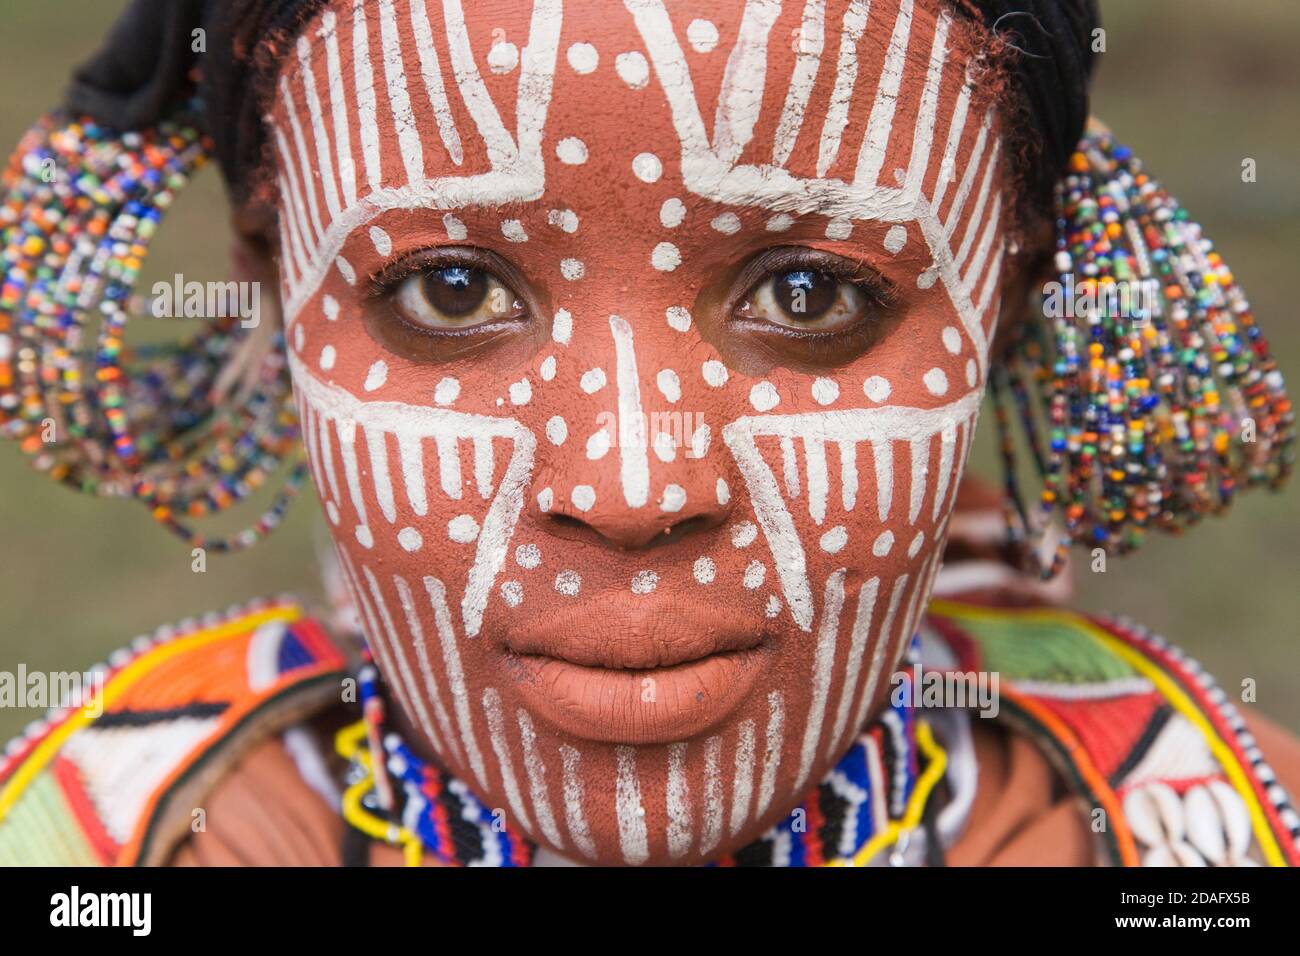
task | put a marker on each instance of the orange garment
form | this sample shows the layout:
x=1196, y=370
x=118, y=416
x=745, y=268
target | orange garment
x=264, y=814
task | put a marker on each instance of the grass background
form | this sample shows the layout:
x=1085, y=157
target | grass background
x=1195, y=86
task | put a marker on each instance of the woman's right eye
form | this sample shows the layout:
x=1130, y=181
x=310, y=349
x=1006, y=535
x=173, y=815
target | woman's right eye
x=455, y=297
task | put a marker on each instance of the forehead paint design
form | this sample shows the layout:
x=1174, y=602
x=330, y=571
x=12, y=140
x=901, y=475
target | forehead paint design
x=843, y=126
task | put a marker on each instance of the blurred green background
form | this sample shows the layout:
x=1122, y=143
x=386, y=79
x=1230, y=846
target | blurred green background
x=1195, y=86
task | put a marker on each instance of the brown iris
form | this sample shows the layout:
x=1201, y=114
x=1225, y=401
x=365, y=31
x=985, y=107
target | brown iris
x=455, y=291
x=456, y=296
x=798, y=307
x=806, y=298
x=805, y=294
x=439, y=305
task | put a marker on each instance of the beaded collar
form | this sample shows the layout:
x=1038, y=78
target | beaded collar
x=874, y=799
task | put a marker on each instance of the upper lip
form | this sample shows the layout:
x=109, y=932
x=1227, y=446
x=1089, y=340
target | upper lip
x=645, y=633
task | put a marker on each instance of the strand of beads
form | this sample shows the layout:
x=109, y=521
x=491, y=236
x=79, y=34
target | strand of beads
x=396, y=796
x=1159, y=392
x=81, y=207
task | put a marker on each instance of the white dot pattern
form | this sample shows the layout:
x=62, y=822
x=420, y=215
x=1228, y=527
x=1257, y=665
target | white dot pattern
x=715, y=373
x=728, y=224
x=705, y=570
x=678, y=318
x=647, y=167
x=876, y=388
x=672, y=213
x=666, y=257
x=702, y=35
x=557, y=430
x=834, y=540
x=462, y=529
x=376, y=376
x=632, y=69
x=571, y=151
x=883, y=544
x=583, y=58
x=825, y=391
x=446, y=391
x=764, y=397
x=568, y=583
x=669, y=385
x=936, y=382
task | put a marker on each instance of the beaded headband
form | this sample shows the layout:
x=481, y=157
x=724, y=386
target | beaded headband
x=1144, y=366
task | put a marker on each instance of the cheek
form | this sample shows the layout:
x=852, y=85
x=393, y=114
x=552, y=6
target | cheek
x=857, y=468
x=401, y=474
x=852, y=468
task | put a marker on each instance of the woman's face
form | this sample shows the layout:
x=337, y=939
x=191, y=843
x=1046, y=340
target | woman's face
x=638, y=348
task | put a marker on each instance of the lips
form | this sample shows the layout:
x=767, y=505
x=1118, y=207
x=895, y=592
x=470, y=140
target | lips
x=661, y=670
x=649, y=634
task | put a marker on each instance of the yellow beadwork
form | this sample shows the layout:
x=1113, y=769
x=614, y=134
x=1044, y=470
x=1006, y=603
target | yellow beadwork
x=937, y=763
x=347, y=743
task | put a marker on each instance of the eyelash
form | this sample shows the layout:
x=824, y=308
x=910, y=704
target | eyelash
x=870, y=282
x=784, y=259
x=882, y=293
x=817, y=346
x=388, y=280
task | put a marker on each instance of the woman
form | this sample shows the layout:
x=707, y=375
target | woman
x=635, y=351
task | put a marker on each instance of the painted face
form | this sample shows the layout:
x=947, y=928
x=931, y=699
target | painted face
x=638, y=348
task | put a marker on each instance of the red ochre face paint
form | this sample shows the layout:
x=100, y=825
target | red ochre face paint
x=638, y=348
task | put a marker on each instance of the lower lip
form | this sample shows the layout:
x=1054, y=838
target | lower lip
x=660, y=705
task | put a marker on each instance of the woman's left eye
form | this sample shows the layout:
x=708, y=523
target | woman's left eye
x=805, y=299
x=455, y=297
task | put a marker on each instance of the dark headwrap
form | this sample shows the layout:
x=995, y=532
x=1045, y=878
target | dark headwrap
x=147, y=69
x=144, y=69
x=1052, y=72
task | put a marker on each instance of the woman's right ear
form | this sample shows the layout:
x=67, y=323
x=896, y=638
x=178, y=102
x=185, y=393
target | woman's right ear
x=256, y=267
x=1031, y=267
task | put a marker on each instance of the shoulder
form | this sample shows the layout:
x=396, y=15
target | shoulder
x=121, y=777
x=1165, y=768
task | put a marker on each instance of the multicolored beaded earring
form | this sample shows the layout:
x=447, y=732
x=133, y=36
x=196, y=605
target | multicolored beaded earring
x=81, y=207
x=1146, y=391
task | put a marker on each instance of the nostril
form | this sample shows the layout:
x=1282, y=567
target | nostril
x=691, y=525
x=630, y=531
x=568, y=521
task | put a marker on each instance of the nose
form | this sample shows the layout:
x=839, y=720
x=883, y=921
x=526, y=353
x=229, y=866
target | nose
x=650, y=473
x=634, y=529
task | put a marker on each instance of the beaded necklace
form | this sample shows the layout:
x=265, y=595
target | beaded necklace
x=874, y=799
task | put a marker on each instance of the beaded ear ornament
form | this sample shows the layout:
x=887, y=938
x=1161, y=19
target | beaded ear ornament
x=81, y=207
x=1146, y=392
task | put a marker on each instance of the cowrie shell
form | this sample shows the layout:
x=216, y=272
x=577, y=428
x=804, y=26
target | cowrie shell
x=1205, y=825
x=1176, y=853
x=1155, y=814
x=1236, y=818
